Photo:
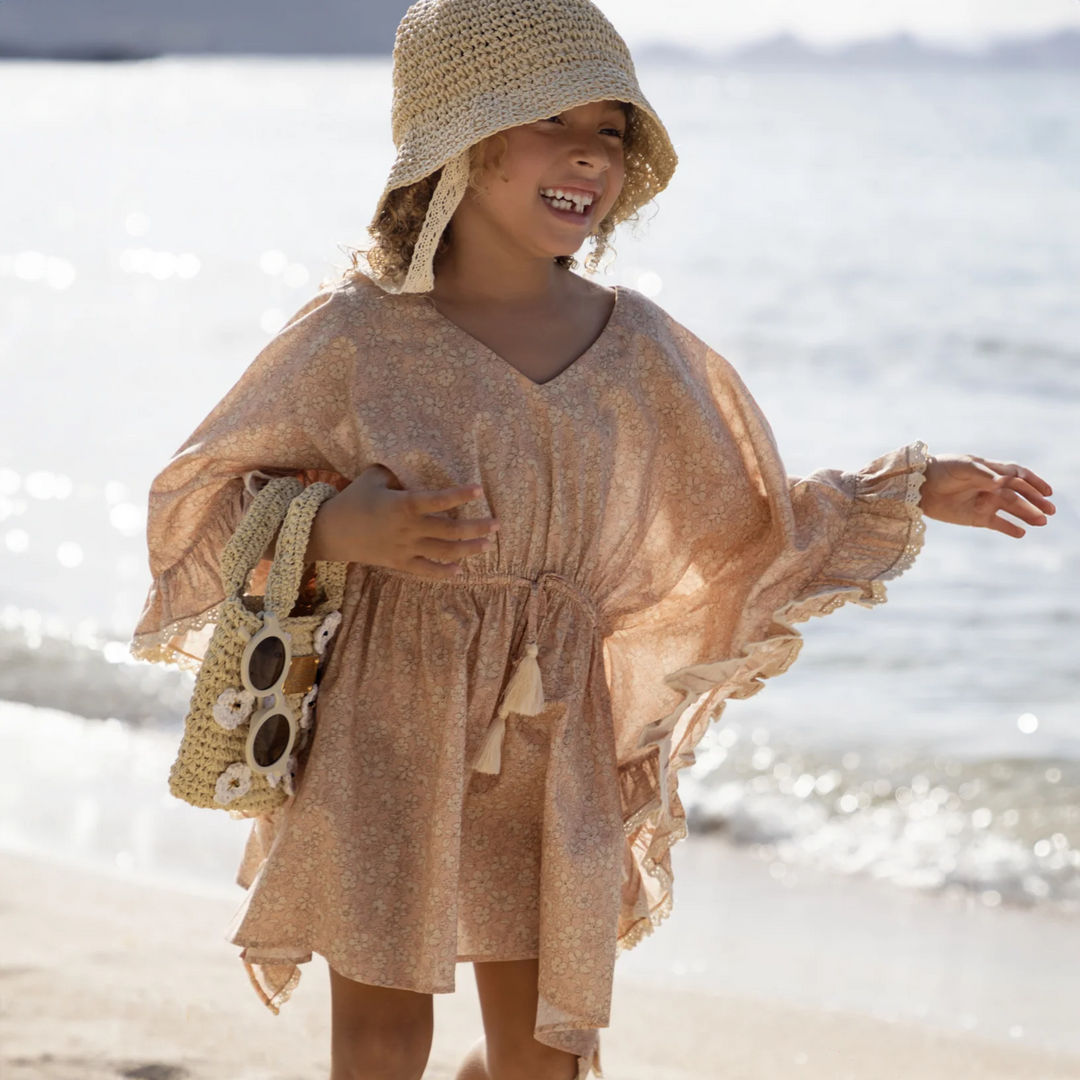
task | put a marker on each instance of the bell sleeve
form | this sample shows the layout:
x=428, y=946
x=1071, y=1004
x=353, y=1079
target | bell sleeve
x=763, y=552
x=287, y=415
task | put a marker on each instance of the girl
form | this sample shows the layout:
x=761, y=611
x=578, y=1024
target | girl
x=570, y=539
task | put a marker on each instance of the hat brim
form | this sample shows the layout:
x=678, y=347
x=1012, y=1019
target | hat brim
x=481, y=115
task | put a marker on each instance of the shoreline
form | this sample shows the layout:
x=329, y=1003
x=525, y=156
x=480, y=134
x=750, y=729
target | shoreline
x=105, y=977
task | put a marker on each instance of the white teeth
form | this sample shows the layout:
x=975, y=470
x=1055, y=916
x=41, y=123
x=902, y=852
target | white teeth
x=567, y=200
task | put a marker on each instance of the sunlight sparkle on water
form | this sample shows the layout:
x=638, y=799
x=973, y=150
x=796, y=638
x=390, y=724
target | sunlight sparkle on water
x=127, y=518
x=47, y=485
x=295, y=275
x=647, y=282
x=116, y=492
x=160, y=265
x=17, y=540
x=69, y=554
x=273, y=262
x=33, y=266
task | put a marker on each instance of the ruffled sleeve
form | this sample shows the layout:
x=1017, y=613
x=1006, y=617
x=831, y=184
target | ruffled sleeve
x=765, y=552
x=287, y=415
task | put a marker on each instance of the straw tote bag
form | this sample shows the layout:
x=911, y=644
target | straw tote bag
x=252, y=708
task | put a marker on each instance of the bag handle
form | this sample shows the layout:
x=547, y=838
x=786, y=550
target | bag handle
x=287, y=569
x=255, y=531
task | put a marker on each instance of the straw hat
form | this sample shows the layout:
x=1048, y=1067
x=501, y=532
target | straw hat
x=466, y=69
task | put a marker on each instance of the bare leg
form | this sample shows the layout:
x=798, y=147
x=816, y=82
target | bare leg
x=508, y=997
x=377, y=1033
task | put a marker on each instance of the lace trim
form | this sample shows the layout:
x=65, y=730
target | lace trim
x=919, y=456
x=444, y=201
x=762, y=659
x=156, y=646
x=278, y=998
x=590, y=1063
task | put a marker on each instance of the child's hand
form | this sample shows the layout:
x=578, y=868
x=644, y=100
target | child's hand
x=968, y=490
x=374, y=521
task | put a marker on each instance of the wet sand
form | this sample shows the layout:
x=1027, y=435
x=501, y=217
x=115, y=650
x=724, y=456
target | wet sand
x=104, y=978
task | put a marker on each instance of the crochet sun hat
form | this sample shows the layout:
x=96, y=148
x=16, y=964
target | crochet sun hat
x=467, y=69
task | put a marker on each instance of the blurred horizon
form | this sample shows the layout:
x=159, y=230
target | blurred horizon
x=1046, y=32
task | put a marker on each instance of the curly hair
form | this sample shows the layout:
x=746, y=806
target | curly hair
x=396, y=228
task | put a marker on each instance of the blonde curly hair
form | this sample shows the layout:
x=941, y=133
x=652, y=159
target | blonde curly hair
x=396, y=229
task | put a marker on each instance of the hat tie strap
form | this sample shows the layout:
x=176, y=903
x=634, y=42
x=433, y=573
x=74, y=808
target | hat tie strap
x=444, y=201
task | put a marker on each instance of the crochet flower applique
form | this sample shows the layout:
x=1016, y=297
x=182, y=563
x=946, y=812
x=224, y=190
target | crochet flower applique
x=327, y=629
x=306, y=707
x=233, y=707
x=287, y=779
x=234, y=782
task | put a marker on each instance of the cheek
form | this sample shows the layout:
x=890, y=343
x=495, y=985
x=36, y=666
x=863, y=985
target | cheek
x=513, y=185
x=528, y=159
x=616, y=178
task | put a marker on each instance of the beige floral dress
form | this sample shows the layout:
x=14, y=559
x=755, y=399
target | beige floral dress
x=651, y=541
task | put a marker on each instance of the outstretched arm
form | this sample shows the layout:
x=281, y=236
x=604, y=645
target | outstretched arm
x=967, y=490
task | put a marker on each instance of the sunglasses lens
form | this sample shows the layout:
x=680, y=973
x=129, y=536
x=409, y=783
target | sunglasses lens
x=271, y=741
x=267, y=663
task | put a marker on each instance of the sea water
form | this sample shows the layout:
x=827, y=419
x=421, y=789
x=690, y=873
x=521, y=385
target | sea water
x=883, y=256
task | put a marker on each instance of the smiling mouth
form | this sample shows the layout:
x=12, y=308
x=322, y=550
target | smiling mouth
x=575, y=202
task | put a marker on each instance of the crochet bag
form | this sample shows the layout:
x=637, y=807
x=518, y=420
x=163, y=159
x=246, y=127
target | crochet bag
x=252, y=707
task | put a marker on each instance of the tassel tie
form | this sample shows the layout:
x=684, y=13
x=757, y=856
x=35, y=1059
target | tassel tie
x=524, y=693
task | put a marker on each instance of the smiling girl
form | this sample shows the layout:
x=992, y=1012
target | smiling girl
x=570, y=540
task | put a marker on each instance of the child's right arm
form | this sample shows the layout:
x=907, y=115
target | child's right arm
x=374, y=521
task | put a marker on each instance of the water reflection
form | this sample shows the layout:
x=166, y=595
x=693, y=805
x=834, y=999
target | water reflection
x=34, y=266
x=1004, y=831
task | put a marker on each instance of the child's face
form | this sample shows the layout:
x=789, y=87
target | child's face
x=579, y=152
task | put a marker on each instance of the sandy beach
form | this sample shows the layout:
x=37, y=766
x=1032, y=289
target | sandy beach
x=105, y=978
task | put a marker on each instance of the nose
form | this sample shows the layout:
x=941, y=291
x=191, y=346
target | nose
x=592, y=154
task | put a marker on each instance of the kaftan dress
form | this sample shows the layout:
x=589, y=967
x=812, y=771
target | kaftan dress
x=650, y=537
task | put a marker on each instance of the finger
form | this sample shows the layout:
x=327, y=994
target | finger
x=417, y=564
x=1010, y=468
x=457, y=529
x=433, y=502
x=1013, y=504
x=1028, y=491
x=452, y=549
x=1003, y=525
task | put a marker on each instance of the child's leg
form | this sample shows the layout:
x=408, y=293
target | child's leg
x=508, y=997
x=377, y=1033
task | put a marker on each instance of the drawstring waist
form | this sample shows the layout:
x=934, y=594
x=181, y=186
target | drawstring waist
x=524, y=693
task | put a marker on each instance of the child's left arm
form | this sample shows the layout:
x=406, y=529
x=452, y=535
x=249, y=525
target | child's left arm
x=967, y=490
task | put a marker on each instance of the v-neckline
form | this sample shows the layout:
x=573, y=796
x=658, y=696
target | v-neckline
x=504, y=363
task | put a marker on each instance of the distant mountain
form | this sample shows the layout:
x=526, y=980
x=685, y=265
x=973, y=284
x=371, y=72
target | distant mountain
x=1061, y=49
x=130, y=29
x=783, y=50
x=901, y=50
x=1057, y=50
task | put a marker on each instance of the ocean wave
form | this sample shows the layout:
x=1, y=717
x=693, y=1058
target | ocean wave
x=1005, y=829
x=89, y=676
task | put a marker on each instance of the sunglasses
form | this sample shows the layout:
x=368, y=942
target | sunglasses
x=268, y=671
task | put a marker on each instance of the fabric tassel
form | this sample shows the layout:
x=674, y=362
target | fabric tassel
x=489, y=757
x=525, y=696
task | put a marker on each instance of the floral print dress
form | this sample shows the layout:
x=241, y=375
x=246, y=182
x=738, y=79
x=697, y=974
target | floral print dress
x=650, y=543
